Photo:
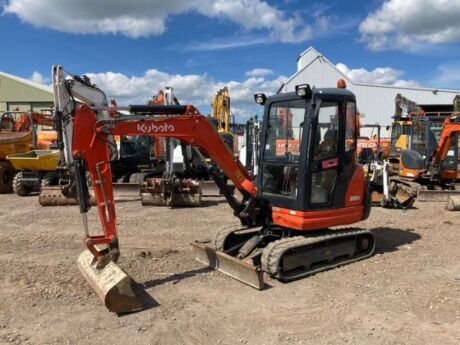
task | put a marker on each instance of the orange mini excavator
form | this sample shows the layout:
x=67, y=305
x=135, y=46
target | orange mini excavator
x=309, y=181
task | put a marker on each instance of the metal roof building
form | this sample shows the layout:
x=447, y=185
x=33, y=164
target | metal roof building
x=376, y=102
x=21, y=94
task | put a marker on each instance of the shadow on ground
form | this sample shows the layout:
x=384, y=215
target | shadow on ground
x=390, y=239
x=175, y=278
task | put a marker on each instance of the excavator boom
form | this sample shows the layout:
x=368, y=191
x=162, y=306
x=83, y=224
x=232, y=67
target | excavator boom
x=92, y=152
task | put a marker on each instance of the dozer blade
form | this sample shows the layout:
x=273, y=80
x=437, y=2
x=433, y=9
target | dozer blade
x=436, y=195
x=238, y=269
x=126, y=190
x=111, y=283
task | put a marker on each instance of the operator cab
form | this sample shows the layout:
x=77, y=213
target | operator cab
x=308, y=149
x=425, y=137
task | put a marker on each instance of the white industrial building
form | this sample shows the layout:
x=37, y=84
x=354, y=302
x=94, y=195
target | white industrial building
x=375, y=102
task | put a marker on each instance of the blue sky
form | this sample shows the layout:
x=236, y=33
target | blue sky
x=133, y=48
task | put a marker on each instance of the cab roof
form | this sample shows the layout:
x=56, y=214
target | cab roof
x=316, y=92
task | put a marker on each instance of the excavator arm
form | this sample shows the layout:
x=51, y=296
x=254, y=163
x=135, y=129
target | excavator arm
x=91, y=151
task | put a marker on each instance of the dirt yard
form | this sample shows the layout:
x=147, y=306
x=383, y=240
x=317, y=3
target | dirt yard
x=408, y=293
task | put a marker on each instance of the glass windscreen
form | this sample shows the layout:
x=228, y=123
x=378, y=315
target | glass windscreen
x=452, y=160
x=284, y=133
x=283, y=148
x=425, y=140
x=395, y=133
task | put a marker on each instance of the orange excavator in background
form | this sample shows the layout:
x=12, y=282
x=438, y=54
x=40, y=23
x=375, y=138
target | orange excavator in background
x=416, y=134
x=286, y=213
x=19, y=133
x=431, y=163
x=181, y=183
x=441, y=168
x=25, y=121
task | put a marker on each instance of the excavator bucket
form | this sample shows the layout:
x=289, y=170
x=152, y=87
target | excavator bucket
x=453, y=204
x=242, y=270
x=53, y=196
x=111, y=283
x=173, y=193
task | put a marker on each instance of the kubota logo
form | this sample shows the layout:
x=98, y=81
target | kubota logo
x=152, y=128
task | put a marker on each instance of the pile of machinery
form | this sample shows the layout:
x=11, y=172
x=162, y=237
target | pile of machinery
x=162, y=171
x=423, y=160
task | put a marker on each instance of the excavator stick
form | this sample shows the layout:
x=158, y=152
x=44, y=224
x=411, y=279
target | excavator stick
x=111, y=284
x=243, y=270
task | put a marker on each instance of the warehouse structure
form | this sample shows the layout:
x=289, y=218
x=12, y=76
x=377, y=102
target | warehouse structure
x=375, y=102
x=19, y=94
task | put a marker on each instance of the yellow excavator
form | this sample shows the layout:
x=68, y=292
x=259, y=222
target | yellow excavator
x=221, y=116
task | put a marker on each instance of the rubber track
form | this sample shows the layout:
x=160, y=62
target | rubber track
x=221, y=236
x=273, y=253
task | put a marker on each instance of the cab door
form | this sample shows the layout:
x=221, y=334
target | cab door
x=333, y=153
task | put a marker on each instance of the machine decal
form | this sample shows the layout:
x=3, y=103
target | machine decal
x=355, y=198
x=152, y=128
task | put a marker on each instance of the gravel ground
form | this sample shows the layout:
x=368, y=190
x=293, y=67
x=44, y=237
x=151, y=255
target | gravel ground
x=407, y=293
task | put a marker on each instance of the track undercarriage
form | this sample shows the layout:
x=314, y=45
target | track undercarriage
x=245, y=254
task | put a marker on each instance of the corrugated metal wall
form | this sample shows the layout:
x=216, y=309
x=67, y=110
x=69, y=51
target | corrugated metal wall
x=16, y=95
x=375, y=102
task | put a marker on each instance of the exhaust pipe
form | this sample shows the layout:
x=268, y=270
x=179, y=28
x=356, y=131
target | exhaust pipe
x=111, y=284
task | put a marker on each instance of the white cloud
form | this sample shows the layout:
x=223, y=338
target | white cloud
x=39, y=78
x=447, y=76
x=196, y=89
x=411, y=24
x=379, y=75
x=259, y=72
x=143, y=18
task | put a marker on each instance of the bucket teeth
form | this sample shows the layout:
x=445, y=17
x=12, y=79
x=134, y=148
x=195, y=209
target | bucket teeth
x=111, y=284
